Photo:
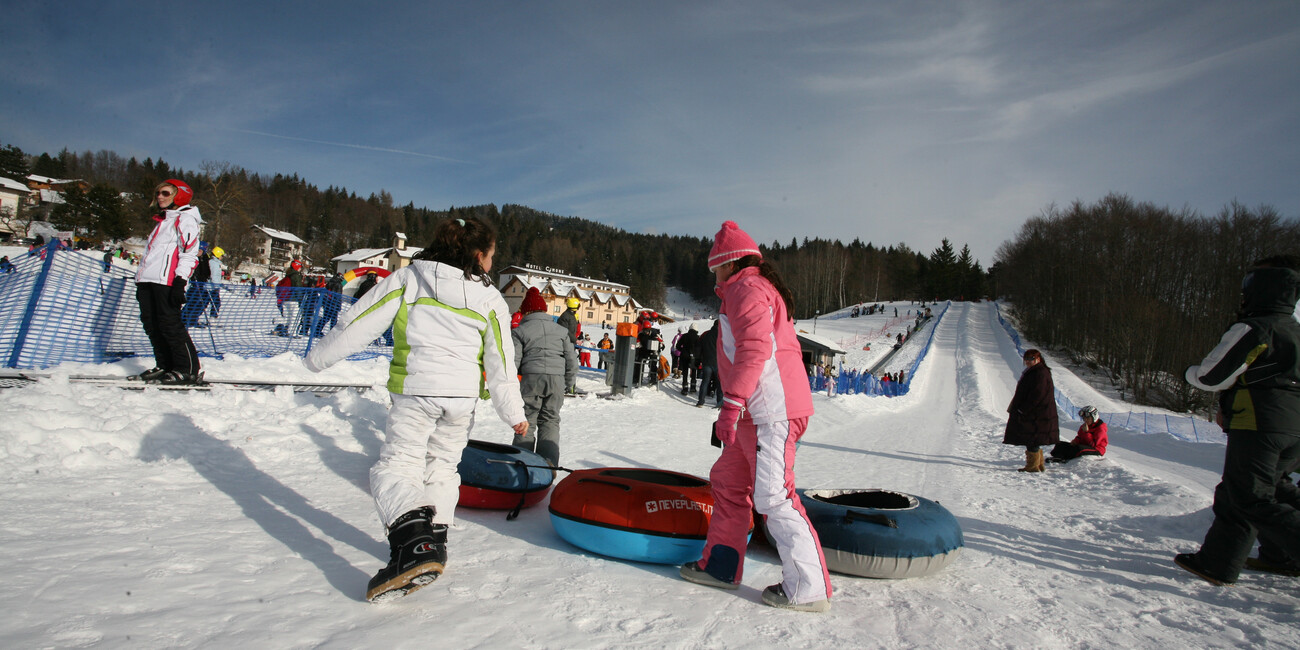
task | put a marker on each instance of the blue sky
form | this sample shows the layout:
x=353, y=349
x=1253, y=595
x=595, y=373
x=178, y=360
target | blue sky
x=887, y=121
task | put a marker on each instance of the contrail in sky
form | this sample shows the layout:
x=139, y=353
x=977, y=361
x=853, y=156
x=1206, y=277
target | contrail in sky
x=353, y=146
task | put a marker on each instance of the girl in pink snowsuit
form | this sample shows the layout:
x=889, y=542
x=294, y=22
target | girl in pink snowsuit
x=765, y=411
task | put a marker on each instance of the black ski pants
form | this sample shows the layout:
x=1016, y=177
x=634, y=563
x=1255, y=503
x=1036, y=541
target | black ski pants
x=1254, y=499
x=161, y=317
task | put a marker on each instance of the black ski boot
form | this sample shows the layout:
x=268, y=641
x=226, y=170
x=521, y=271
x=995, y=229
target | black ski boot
x=175, y=378
x=148, y=375
x=418, y=551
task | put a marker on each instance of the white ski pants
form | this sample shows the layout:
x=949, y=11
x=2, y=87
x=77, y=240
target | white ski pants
x=423, y=444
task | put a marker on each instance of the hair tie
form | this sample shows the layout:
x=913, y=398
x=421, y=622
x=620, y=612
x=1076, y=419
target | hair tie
x=461, y=222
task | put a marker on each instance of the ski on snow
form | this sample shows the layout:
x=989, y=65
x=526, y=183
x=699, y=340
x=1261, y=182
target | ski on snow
x=13, y=379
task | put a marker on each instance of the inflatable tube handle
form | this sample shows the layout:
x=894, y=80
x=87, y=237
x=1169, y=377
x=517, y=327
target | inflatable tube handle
x=523, y=496
x=626, y=488
x=881, y=520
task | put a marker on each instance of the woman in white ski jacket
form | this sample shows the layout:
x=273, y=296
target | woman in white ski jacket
x=451, y=347
x=169, y=259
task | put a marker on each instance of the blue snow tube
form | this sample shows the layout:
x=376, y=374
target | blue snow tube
x=501, y=477
x=882, y=534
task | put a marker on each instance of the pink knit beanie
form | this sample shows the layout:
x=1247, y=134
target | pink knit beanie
x=730, y=244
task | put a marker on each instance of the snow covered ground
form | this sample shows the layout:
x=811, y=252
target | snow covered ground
x=242, y=519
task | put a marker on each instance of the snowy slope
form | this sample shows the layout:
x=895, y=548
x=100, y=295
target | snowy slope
x=148, y=519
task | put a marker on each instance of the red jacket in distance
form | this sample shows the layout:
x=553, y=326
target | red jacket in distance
x=1092, y=438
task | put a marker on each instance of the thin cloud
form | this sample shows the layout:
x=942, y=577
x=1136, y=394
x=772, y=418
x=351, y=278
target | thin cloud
x=353, y=146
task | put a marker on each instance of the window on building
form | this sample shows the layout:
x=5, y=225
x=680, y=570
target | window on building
x=590, y=315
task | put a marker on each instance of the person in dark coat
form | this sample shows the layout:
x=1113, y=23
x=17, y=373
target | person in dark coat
x=1033, y=420
x=569, y=319
x=1255, y=369
x=706, y=351
x=366, y=285
x=686, y=359
x=333, y=303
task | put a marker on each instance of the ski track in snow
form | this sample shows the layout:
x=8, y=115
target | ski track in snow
x=149, y=519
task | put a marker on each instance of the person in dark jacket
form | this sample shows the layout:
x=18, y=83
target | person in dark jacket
x=707, y=352
x=333, y=303
x=569, y=320
x=1256, y=370
x=649, y=344
x=1033, y=420
x=366, y=285
x=547, y=365
x=197, y=297
x=687, y=360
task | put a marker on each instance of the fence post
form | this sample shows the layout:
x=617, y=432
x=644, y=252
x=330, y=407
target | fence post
x=317, y=299
x=30, y=313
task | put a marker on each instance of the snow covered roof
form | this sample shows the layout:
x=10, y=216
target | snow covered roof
x=519, y=271
x=11, y=184
x=46, y=180
x=564, y=289
x=360, y=254
x=408, y=252
x=822, y=342
x=621, y=300
x=51, y=196
x=280, y=234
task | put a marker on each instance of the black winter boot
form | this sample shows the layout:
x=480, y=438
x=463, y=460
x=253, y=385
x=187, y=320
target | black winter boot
x=418, y=553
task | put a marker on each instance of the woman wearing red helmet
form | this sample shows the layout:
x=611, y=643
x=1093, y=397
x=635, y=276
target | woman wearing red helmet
x=170, y=257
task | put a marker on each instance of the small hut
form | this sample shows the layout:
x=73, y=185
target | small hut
x=817, y=350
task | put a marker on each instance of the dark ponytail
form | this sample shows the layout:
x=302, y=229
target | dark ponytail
x=457, y=242
x=769, y=273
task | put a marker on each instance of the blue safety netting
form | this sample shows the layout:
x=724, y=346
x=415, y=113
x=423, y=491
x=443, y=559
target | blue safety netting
x=58, y=305
x=862, y=383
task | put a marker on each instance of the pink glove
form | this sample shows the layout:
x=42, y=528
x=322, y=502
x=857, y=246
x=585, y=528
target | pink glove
x=728, y=415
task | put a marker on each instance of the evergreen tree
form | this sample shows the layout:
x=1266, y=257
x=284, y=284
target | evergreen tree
x=97, y=213
x=13, y=163
x=51, y=167
x=943, y=272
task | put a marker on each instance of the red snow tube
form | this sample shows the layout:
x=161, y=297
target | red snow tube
x=647, y=515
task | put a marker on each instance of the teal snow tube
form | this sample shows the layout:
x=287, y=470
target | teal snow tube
x=882, y=534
